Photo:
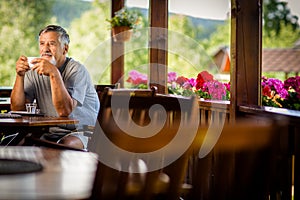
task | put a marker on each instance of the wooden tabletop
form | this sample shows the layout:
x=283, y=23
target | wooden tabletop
x=66, y=174
x=36, y=125
x=36, y=121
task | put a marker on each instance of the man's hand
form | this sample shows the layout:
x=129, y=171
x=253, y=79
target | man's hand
x=22, y=66
x=44, y=67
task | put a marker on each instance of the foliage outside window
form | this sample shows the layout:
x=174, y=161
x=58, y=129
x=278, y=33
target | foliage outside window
x=84, y=20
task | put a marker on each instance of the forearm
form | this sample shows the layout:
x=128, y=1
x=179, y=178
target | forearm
x=17, y=97
x=61, y=99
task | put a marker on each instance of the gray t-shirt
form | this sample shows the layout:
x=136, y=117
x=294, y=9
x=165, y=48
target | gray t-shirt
x=79, y=85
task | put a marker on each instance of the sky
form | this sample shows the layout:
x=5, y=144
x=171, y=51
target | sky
x=210, y=9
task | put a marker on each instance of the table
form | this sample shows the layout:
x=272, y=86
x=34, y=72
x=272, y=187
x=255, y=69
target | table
x=66, y=174
x=31, y=124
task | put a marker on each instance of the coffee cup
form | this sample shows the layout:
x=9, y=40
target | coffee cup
x=29, y=59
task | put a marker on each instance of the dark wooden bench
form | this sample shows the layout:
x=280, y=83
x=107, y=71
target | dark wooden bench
x=141, y=123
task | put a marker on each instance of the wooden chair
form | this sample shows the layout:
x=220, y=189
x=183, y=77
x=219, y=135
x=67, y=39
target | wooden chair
x=143, y=140
x=5, y=99
x=100, y=88
x=241, y=164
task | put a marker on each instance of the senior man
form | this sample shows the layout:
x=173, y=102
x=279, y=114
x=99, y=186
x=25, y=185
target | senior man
x=60, y=85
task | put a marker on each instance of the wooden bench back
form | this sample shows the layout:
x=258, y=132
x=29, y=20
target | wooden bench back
x=156, y=131
x=241, y=164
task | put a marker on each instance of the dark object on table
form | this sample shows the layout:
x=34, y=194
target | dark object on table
x=14, y=166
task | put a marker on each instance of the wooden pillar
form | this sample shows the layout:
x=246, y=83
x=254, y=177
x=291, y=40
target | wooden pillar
x=117, y=50
x=158, y=44
x=246, y=49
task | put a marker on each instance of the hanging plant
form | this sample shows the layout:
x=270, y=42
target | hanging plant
x=122, y=24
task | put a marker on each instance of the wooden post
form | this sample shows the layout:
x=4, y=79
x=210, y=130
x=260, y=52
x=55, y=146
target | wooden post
x=117, y=50
x=158, y=44
x=246, y=49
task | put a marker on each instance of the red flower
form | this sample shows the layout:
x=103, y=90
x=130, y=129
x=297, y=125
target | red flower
x=181, y=80
x=203, y=77
x=266, y=91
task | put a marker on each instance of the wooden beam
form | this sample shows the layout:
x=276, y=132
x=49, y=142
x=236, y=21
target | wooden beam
x=158, y=44
x=246, y=49
x=117, y=50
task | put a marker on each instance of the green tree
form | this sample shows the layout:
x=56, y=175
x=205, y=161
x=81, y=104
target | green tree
x=186, y=53
x=277, y=15
x=279, y=31
x=183, y=24
x=218, y=39
x=91, y=43
x=20, y=22
x=67, y=10
x=285, y=38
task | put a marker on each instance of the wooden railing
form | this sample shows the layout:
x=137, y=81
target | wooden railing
x=213, y=111
x=287, y=176
x=285, y=181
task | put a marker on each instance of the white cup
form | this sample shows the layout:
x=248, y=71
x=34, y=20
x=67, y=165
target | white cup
x=29, y=59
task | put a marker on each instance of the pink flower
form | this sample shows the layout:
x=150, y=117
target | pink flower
x=294, y=84
x=137, y=78
x=227, y=85
x=172, y=77
x=216, y=89
x=192, y=82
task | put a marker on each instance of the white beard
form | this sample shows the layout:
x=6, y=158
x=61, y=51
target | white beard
x=53, y=61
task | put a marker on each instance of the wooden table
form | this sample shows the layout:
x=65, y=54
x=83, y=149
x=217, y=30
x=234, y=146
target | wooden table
x=66, y=174
x=31, y=124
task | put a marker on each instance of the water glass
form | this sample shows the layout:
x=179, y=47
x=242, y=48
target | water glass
x=31, y=107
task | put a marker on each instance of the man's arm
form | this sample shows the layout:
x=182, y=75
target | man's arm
x=17, y=96
x=62, y=101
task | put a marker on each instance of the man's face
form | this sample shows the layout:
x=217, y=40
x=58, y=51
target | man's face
x=50, y=48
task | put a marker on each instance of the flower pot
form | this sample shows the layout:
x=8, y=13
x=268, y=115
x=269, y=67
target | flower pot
x=121, y=33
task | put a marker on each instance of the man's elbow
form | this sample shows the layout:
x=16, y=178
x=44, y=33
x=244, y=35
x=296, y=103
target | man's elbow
x=64, y=112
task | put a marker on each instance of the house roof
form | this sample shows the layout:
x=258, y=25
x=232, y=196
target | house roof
x=283, y=60
x=273, y=60
x=222, y=59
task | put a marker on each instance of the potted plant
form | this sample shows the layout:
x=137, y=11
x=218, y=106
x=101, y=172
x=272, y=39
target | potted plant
x=122, y=24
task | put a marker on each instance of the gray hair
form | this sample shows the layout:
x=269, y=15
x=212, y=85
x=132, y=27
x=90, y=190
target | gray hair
x=63, y=35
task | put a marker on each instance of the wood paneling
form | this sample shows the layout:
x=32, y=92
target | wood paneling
x=159, y=44
x=117, y=50
x=246, y=22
